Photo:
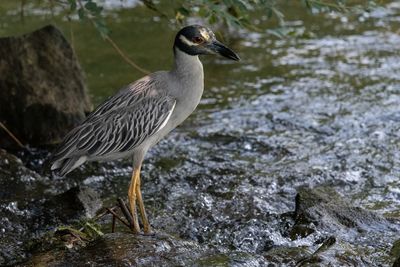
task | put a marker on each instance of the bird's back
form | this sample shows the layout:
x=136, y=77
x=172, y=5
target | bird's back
x=136, y=117
x=118, y=125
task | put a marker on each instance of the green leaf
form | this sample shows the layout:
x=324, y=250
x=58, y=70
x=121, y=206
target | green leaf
x=81, y=13
x=92, y=7
x=277, y=32
x=184, y=11
x=101, y=27
x=72, y=5
x=94, y=228
x=240, y=5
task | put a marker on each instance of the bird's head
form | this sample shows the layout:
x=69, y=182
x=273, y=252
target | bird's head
x=199, y=40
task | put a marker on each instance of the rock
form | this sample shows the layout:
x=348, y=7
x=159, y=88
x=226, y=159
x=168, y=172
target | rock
x=323, y=209
x=323, y=216
x=18, y=185
x=396, y=263
x=231, y=259
x=29, y=208
x=73, y=205
x=126, y=249
x=42, y=90
x=395, y=253
x=286, y=256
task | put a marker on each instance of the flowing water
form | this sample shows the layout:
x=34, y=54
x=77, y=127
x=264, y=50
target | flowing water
x=318, y=108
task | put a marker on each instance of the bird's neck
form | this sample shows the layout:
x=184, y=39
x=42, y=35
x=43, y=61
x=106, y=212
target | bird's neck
x=186, y=65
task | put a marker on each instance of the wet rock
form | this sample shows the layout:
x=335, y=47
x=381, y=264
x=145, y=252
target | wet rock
x=125, y=249
x=286, y=256
x=395, y=253
x=18, y=185
x=322, y=209
x=29, y=207
x=396, y=263
x=42, y=92
x=75, y=204
x=342, y=234
x=231, y=259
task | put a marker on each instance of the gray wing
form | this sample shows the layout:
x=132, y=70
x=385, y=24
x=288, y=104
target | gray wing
x=115, y=131
x=127, y=96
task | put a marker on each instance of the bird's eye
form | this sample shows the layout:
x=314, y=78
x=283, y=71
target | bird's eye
x=198, y=40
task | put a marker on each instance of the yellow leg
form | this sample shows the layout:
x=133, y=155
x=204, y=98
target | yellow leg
x=132, y=199
x=146, y=225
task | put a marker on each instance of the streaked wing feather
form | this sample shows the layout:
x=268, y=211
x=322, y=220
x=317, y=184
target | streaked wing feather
x=118, y=130
x=127, y=96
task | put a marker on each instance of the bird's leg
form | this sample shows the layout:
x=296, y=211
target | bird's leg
x=132, y=199
x=146, y=225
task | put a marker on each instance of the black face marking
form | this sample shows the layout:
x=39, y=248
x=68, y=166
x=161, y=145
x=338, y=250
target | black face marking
x=198, y=40
x=192, y=40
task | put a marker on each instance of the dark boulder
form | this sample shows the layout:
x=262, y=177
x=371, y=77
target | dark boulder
x=323, y=209
x=42, y=90
x=73, y=205
x=334, y=224
x=126, y=249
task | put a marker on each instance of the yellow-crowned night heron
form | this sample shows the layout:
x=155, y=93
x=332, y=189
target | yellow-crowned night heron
x=140, y=114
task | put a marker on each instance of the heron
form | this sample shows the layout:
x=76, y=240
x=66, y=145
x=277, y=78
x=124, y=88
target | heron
x=129, y=123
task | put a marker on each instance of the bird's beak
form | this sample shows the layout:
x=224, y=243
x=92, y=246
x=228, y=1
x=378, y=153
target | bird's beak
x=220, y=48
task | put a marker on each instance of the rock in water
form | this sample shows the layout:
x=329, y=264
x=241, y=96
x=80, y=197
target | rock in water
x=18, y=185
x=42, y=90
x=119, y=249
x=72, y=205
x=323, y=209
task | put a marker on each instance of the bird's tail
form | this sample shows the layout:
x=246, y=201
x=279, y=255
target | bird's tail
x=64, y=166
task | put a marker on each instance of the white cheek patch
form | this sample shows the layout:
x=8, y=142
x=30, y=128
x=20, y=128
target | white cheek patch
x=186, y=41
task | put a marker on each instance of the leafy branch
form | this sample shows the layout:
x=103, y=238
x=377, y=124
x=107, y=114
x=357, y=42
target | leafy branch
x=238, y=13
x=337, y=5
x=234, y=13
x=89, y=10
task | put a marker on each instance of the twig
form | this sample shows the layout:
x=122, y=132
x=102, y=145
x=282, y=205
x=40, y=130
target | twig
x=11, y=135
x=71, y=32
x=22, y=10
x=124, y=56
x=125, y=211
x=116, y=47
x=51, y=3
x=150, y=5
x=105, y=212
x=113, y=224
x=116, y=216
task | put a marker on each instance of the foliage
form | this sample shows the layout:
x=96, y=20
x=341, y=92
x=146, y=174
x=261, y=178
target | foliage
x=234, y=13
x=87, y=9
